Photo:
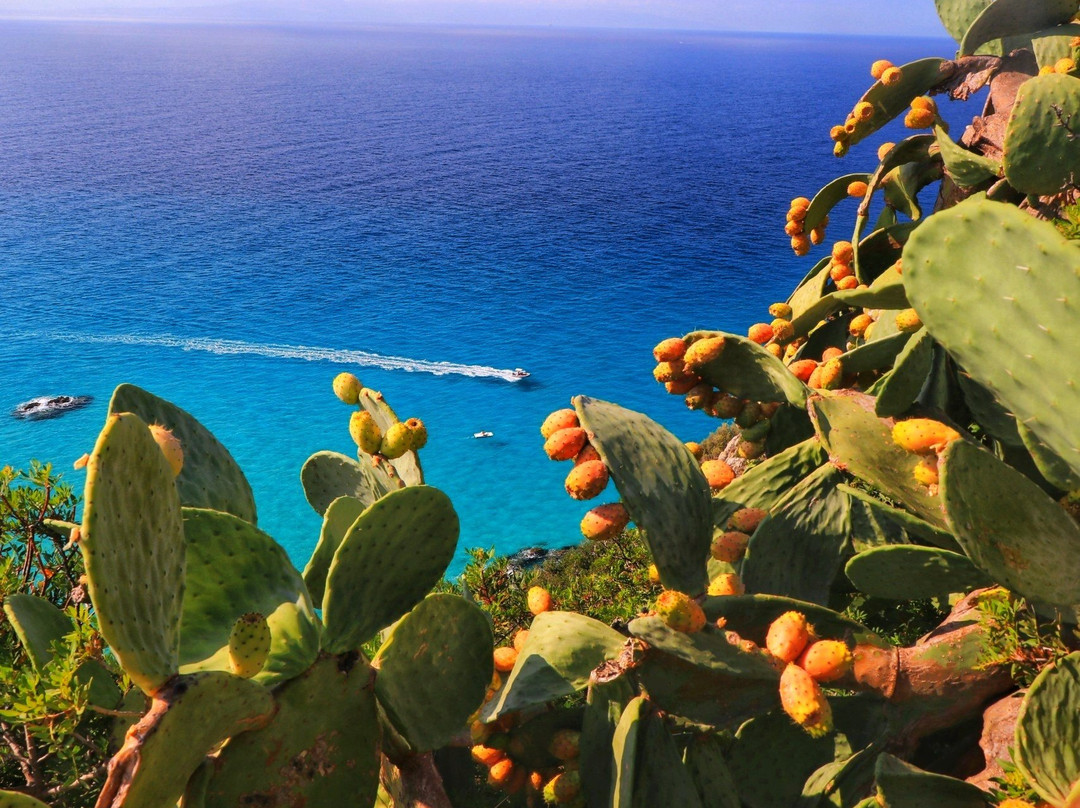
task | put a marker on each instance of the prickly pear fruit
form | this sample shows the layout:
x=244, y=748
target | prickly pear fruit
x=694, y=448
x=654, y=574
x=587, y=480
x=501, y=772
x=826, y=660
x=566, y=443
x=562, y=788
x=782, y=330
x=588, y=452
x=859, y=323
x=560, y=419
x=670, y=349
x=730, y=547
x=347, y=387
x=170, y=447
x=919, y=118
x=802, y=699
x=726, y=583
x=802, y=369
x=505, y=657
x=700, y=396
x=923, y=435
x=788, y=635
x=365, y=432
x=780, y=310
x=891, y=76
x=395, y=441
x=669, y=371
x=249, y=644
x=878, y=68
x=726, y=405
x=565, y=744
x=487, y=755
x=751, y=449
x=703, y=351
x=680, y=611
x=908, y=321
x=857, y=189
x=850, y=282
x=1014, y=802
x=760, y=333
x=683, y=385
x=718, y=473
x=843, y=252
x=417, y=434
x=538, y=599
x=863, y=111
x=827, y=376
x=926, y=471
x=605, y=521
x=746, y=520
x=521, y=636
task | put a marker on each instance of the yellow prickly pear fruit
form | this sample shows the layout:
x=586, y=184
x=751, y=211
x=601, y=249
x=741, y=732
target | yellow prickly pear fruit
x=1046, y=70
x=863, y=111
x=919, y=119
x=775, y=349
x=605, y=521
x=878, y=68
x=908, y=321
x=703, y=351
x=859, y=323
x=417, y=434
x=680, y=612
x=826, y=660
x=565, y=744
x=850, y=282
x=1065, y=65
x=840, y=148
x=395, y=441
x=670, y=349
x=588, y=452
x=843, y=252
x=857, y=189
x=249, y=644
x=884, y=149
x=170, y=447
x=923, y=435
x=560, y=419
x=538, y=600
x=851, y=124
x=726, y=583
x=695, y=448
x=718, y=473
x=782, y=330
x=521, y=636
x=760, y=333
x=654, y=574
x=501, y=773
x=347, y=387
x=827, y=376
x=684, y=385
x=505, y=657
x=669, y=371
x=803, y=701
x=800, y=244
x=926, y=471
x=562, y=788
x=788, y=635
x=586, y=480
x=746, y=520
x=781, y=311
x=802, y=369
x=1014, y=802
x=566, y=443
x=730, y=546
x=892, y=76
x=839, y=134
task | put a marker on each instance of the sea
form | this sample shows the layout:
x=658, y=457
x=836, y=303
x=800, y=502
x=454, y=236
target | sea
x=229, y=216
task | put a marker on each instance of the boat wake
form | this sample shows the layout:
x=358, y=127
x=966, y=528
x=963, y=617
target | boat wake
x=305, y=352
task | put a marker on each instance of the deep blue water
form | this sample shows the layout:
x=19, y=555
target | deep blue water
x=229, y=216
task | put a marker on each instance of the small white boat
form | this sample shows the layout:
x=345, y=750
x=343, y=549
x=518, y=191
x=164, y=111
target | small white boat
x=483, y=434
x=519, y=373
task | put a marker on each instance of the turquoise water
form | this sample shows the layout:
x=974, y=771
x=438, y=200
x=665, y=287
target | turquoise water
x=231, y=216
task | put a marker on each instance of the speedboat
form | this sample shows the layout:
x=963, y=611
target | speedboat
x=484, y=434
x=519, y=373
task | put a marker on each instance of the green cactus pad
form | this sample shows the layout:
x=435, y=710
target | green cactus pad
x=338, y=518
x=392, y=556
x=1011, y=529
x=886, y=293
x=624, y=747
x=880, y=352
x=767, y=483
x=913, y=149
x=704, y=759
x=1040, y=142
x=661, y=485
x=1052, y=44
x=902, y=187
x=1056, y=471
x=234, y=568
x=706, y=648
x=603, y=708
x=561, y=651
x=893, y=100
x=800, y=548
x=750, y=616
x=408, y=465
x=902, y=785
x=660, y=777
x=828, y=198
x=1010, y=18
x=747, y=370
x=164, y=749
x=878, y=251
x=1047, y=735
x=995, y=301
x=909, y=522
x=329, y=475
x=861, y=444
x=433, y=670
x=133, y=547
x=210, y=477
x=907, y=572
x=958, y=15
x=320, y=748
x=842, y=780
x=15, y=799
x=967, y=168
x=811, y=288
x=910, y=371
x=531, y=739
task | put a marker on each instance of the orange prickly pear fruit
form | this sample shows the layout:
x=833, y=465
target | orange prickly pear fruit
x=800, y=244
x=566, y=443
x=857, y=189
x=843, y=252
x=884, y=149
x=924, y=102
x=839, y=271
x=726, y=583
x=919, y=118
x=1014, y=802
x=878, y=68
x=908, y=321
x=803, y=701
x=681, y=386
x=926, y=471
x=746, y=520
x=703, y=351
x=782, y=330
x=799, y=203
x=831, y=353
x=850, y=282
x=538, y=599
x=839, y=134
x=669, y=371
x=827, y=376
x=700, y=396
x=588, y=452
x=605, y=521
x=565, y=744
x=654, y=574
x=817, y=235
x=694, y=448
x=505, y=657
x=863, y=111
x=517, y=781
x=826, y=660
x=560, y=419
x=417, y=434
x=760, y=333
x=923, y=435
x=487, y=755
x=587, y=479
x=718, y=473
x=802, y=369
x=859, y=323
x=680, y=612
x=781, y=311
x=891, y=76
x=851, y=124
x=170, y=447
x=670, y=349
x=793, y=228
x=536, y=781
x=520, y=638
x=501, y=772
x=347, y=388
x=730, y=546
x=788, y=635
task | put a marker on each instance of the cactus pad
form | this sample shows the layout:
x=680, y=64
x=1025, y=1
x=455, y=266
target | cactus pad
x=133, y=546
x=660, y=777
x=910, y=371
x=407, y=465
x=747, y=370
x=38, y=624
x=16, y=799
x=624, y=747
x=902, y=785
x=908, y=572
x=967, y=168
x=1014, y=17
x=234, y=568
x=329, y=475
x=661, y=485
x=767, y=483
x=1047, y=735
x=751, y=616
x=210, y=477
x=889, y=101
x=710, y=773
x=1040, y=140
x=337, y=520
x=392, y=556
x=828, y=197
x=707, y=649
x=433, y=670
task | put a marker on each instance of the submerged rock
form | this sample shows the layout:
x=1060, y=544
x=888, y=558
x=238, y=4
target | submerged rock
x=42, y=407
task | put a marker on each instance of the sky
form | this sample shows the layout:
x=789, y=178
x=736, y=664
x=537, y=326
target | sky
x=865, y=17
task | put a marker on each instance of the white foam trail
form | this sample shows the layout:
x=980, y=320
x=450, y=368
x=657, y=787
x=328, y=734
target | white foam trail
x=306, y=352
